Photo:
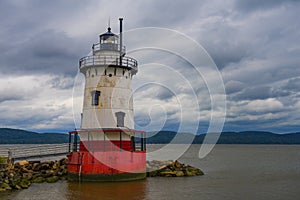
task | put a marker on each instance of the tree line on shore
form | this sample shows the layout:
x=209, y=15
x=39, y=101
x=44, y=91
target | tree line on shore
x=17, y=136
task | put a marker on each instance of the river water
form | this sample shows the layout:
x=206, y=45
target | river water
x=231, y=172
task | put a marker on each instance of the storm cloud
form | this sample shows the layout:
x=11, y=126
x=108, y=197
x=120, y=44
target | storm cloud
x=255, y=45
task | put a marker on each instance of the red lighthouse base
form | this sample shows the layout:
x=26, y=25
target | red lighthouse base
x=103, y=159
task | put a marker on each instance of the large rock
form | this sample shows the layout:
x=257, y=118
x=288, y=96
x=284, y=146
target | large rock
x=55, y=166
x=21, y=174
x=45, y=166
x=63, y=162
x=179, y=173
x=39, y=180
x=52, y=179
x=171, y=169
x=24, y=183
x=28, y=176
x=191, y=171
x=36, y=167
x=4, y=187
x=177, y=164
x=26, y=170
x=23, y=162
x=167, y=173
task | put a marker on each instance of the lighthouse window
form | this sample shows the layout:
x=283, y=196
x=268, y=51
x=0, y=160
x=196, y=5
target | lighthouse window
x=120, y=119
x=95, y=97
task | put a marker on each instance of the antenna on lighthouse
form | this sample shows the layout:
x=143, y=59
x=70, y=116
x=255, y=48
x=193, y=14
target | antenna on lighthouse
x=109, y=22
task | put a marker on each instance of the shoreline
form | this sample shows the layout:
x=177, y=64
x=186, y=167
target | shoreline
x=21, y=175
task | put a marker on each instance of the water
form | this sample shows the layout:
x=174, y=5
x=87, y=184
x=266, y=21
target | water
x=231, y=172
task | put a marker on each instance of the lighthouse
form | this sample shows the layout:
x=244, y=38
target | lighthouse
x=107, y=147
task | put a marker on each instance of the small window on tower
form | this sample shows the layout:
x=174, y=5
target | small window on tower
x=120, y=119
x=95, y=97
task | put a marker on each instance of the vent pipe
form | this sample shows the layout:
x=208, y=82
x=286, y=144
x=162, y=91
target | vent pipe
x=121, y=39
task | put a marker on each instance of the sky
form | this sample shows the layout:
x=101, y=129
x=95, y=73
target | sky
x=254, y=45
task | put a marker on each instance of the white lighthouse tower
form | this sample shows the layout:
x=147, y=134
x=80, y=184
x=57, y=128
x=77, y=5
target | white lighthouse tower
x=107, y=127
x=108, y=73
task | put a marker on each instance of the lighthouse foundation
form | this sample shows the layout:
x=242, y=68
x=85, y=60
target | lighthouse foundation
x=106, y=159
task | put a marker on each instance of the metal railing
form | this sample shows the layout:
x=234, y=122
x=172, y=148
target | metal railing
x=108, y=47
x=106, y=60
x=34, y=150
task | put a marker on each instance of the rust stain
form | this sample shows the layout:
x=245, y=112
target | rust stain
x=99, y=84
x=107, y=82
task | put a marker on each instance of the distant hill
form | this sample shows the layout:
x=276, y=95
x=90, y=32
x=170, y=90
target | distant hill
x=246, y=137
x=17, y=136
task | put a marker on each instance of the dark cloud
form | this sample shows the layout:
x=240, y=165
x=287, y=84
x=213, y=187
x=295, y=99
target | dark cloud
x=293, y=85
x=224, y=42
x=49, y=44
x=34, y=42
x=234, y=86
x=162, y=93
x=11, y=92
x=155, y=91
x=225, y=54
x=252, y=93
x=167, y=14
x=45, y=52
x=252, y=5
x=142, y=120
x=36, y=120
x=276, y=93
x=10, y=97
x=61, y=83
x=259, y=92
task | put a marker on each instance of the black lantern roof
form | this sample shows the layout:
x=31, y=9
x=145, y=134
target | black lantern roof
x=108, y=34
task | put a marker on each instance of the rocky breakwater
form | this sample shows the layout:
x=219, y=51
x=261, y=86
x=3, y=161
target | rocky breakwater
x=21, y=174
x=171, y=169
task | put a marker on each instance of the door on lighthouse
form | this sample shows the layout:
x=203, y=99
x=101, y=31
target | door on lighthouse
x=120, y=119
